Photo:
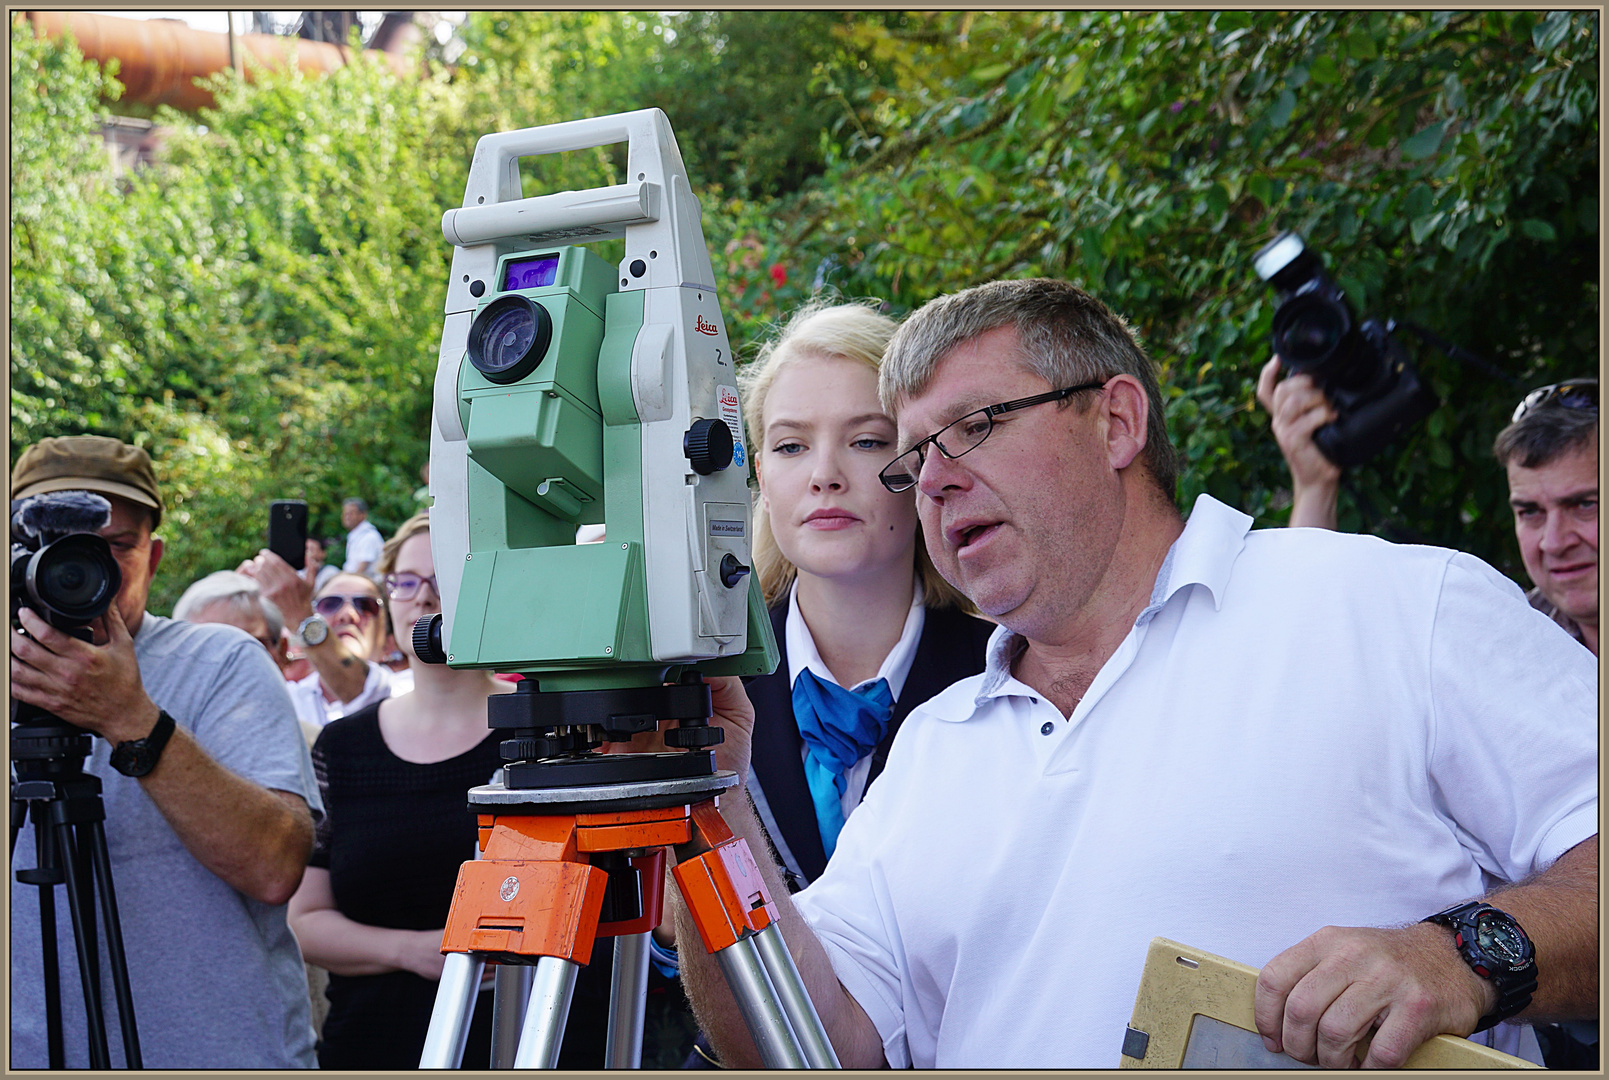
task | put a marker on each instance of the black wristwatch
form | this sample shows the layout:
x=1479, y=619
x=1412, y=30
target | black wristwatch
x=1497, y=949
x=136, y=757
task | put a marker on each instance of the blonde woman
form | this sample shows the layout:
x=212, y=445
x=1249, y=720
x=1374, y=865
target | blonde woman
x=374, y=899
x=867, y=628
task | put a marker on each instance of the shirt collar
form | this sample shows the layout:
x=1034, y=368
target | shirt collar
x=802, y=652
x=1204, y=554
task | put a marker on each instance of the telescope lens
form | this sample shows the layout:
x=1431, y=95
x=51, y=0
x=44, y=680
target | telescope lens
x=509, y=338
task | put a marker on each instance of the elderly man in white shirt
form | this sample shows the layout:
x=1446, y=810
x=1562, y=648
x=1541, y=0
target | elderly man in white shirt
x=363, y=540
x=1306, y=751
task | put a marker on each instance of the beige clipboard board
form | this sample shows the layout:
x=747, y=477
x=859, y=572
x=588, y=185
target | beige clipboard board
x=1194, y=1010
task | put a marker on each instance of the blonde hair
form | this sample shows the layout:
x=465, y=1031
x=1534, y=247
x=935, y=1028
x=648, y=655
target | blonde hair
x=407, y=530
x=852, y=331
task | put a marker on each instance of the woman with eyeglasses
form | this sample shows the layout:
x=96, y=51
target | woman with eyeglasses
x=339, y=627
x=373, y=903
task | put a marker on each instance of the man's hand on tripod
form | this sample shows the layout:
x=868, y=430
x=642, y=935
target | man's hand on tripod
x=96, y=687
x=733, y=714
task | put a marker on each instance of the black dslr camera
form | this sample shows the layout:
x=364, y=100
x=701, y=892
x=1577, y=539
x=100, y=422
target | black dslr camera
x=1361, y=368
x=59, y=566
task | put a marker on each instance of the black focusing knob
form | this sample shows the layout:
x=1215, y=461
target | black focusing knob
x=708, y=445
x=732, y=571
x=691, y=736
x=427, y=640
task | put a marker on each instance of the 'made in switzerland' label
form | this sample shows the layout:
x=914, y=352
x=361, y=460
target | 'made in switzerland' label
x=732, y=417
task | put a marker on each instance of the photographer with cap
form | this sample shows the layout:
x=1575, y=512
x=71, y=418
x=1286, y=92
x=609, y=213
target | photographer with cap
x=1368, y=769
x=1550, y=452
x=209, y=806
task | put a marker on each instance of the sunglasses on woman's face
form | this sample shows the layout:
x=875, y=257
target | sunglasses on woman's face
x=330, y=605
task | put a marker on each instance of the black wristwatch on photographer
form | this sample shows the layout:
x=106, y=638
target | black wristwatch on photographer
x=137, y=757
x=1497, y=949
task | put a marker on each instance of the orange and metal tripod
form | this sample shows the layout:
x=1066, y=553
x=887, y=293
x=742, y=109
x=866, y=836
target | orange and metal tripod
x=561, y=866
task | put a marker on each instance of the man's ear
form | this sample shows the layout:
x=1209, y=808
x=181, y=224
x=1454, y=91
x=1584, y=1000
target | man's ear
x=1127, y=413
x=157, y=547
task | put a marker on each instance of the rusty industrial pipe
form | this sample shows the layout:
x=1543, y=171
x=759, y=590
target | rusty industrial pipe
x=160, y=60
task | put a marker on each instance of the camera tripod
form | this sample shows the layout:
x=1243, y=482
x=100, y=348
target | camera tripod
x=65, y=804
x=573, y=847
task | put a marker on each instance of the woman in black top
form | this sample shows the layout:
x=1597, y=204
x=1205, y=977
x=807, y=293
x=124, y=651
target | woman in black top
x=373, y=903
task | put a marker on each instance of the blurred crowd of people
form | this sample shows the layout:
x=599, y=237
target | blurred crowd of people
x=286, y=860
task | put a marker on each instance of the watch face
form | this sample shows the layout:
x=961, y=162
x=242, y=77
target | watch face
x=1499, y=939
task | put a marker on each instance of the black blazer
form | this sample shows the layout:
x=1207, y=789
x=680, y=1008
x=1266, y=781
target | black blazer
x=950, y=649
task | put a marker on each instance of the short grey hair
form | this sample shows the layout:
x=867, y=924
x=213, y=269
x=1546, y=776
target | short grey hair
x=233, y=590
x=363, y=507
x=1065, y=336
x=1544, y=435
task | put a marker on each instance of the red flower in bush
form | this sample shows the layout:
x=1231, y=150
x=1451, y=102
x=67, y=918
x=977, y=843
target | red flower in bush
x=779, y=274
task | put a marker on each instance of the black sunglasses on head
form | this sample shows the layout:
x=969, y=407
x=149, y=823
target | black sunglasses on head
x=1569, y=394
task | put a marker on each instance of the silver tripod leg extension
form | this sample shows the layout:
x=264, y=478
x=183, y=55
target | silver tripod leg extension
x=552, y=987
x=628, y=1000
x=796, y=1003
x=760, y=1005
x=455, y=1005
x=510, y=994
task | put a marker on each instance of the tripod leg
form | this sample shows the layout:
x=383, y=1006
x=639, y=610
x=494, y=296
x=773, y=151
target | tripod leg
x=762, y=1009
x=510, y=995
x=83, y=916
x=628, y=1000
x=102, y=864
x=47, y=934
x=455, y=1004
x=551, y=990
x=796, y=1001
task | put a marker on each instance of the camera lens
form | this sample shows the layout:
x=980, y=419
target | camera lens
x=73, y=580
x=509, y=338
x=1308, y=330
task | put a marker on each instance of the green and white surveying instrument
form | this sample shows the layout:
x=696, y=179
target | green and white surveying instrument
x=573, y=392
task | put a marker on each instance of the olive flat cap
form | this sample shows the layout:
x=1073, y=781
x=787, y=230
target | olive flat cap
x=88, y=463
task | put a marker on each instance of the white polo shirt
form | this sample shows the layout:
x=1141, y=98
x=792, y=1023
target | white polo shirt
x=1304, y=728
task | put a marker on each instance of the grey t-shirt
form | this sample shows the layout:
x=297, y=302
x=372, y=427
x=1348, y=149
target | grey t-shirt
x=217, y=978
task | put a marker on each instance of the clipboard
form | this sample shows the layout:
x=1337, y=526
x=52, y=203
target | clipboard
x=1194, y=1011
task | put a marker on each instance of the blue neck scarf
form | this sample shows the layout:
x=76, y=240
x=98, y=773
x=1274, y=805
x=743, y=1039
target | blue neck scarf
x=839, y=728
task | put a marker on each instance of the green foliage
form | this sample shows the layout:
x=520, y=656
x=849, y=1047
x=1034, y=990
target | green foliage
x=262, y=310
x=747, y=92
x=1445, y=162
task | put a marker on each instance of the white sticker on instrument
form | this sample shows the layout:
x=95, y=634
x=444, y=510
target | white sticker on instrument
x=732, y=416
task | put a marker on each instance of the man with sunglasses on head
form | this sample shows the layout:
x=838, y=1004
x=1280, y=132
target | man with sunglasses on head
x=1550, y=451
x=340, y=628
x=209, y=797
x=1306, y=751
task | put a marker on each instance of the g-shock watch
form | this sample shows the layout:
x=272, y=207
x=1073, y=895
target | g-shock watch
x=137, y=757
x=313, y=630
x=1497, y=949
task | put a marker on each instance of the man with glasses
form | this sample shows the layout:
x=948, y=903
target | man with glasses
x=1186, y=729
x=209, y=796
x=341, y=629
